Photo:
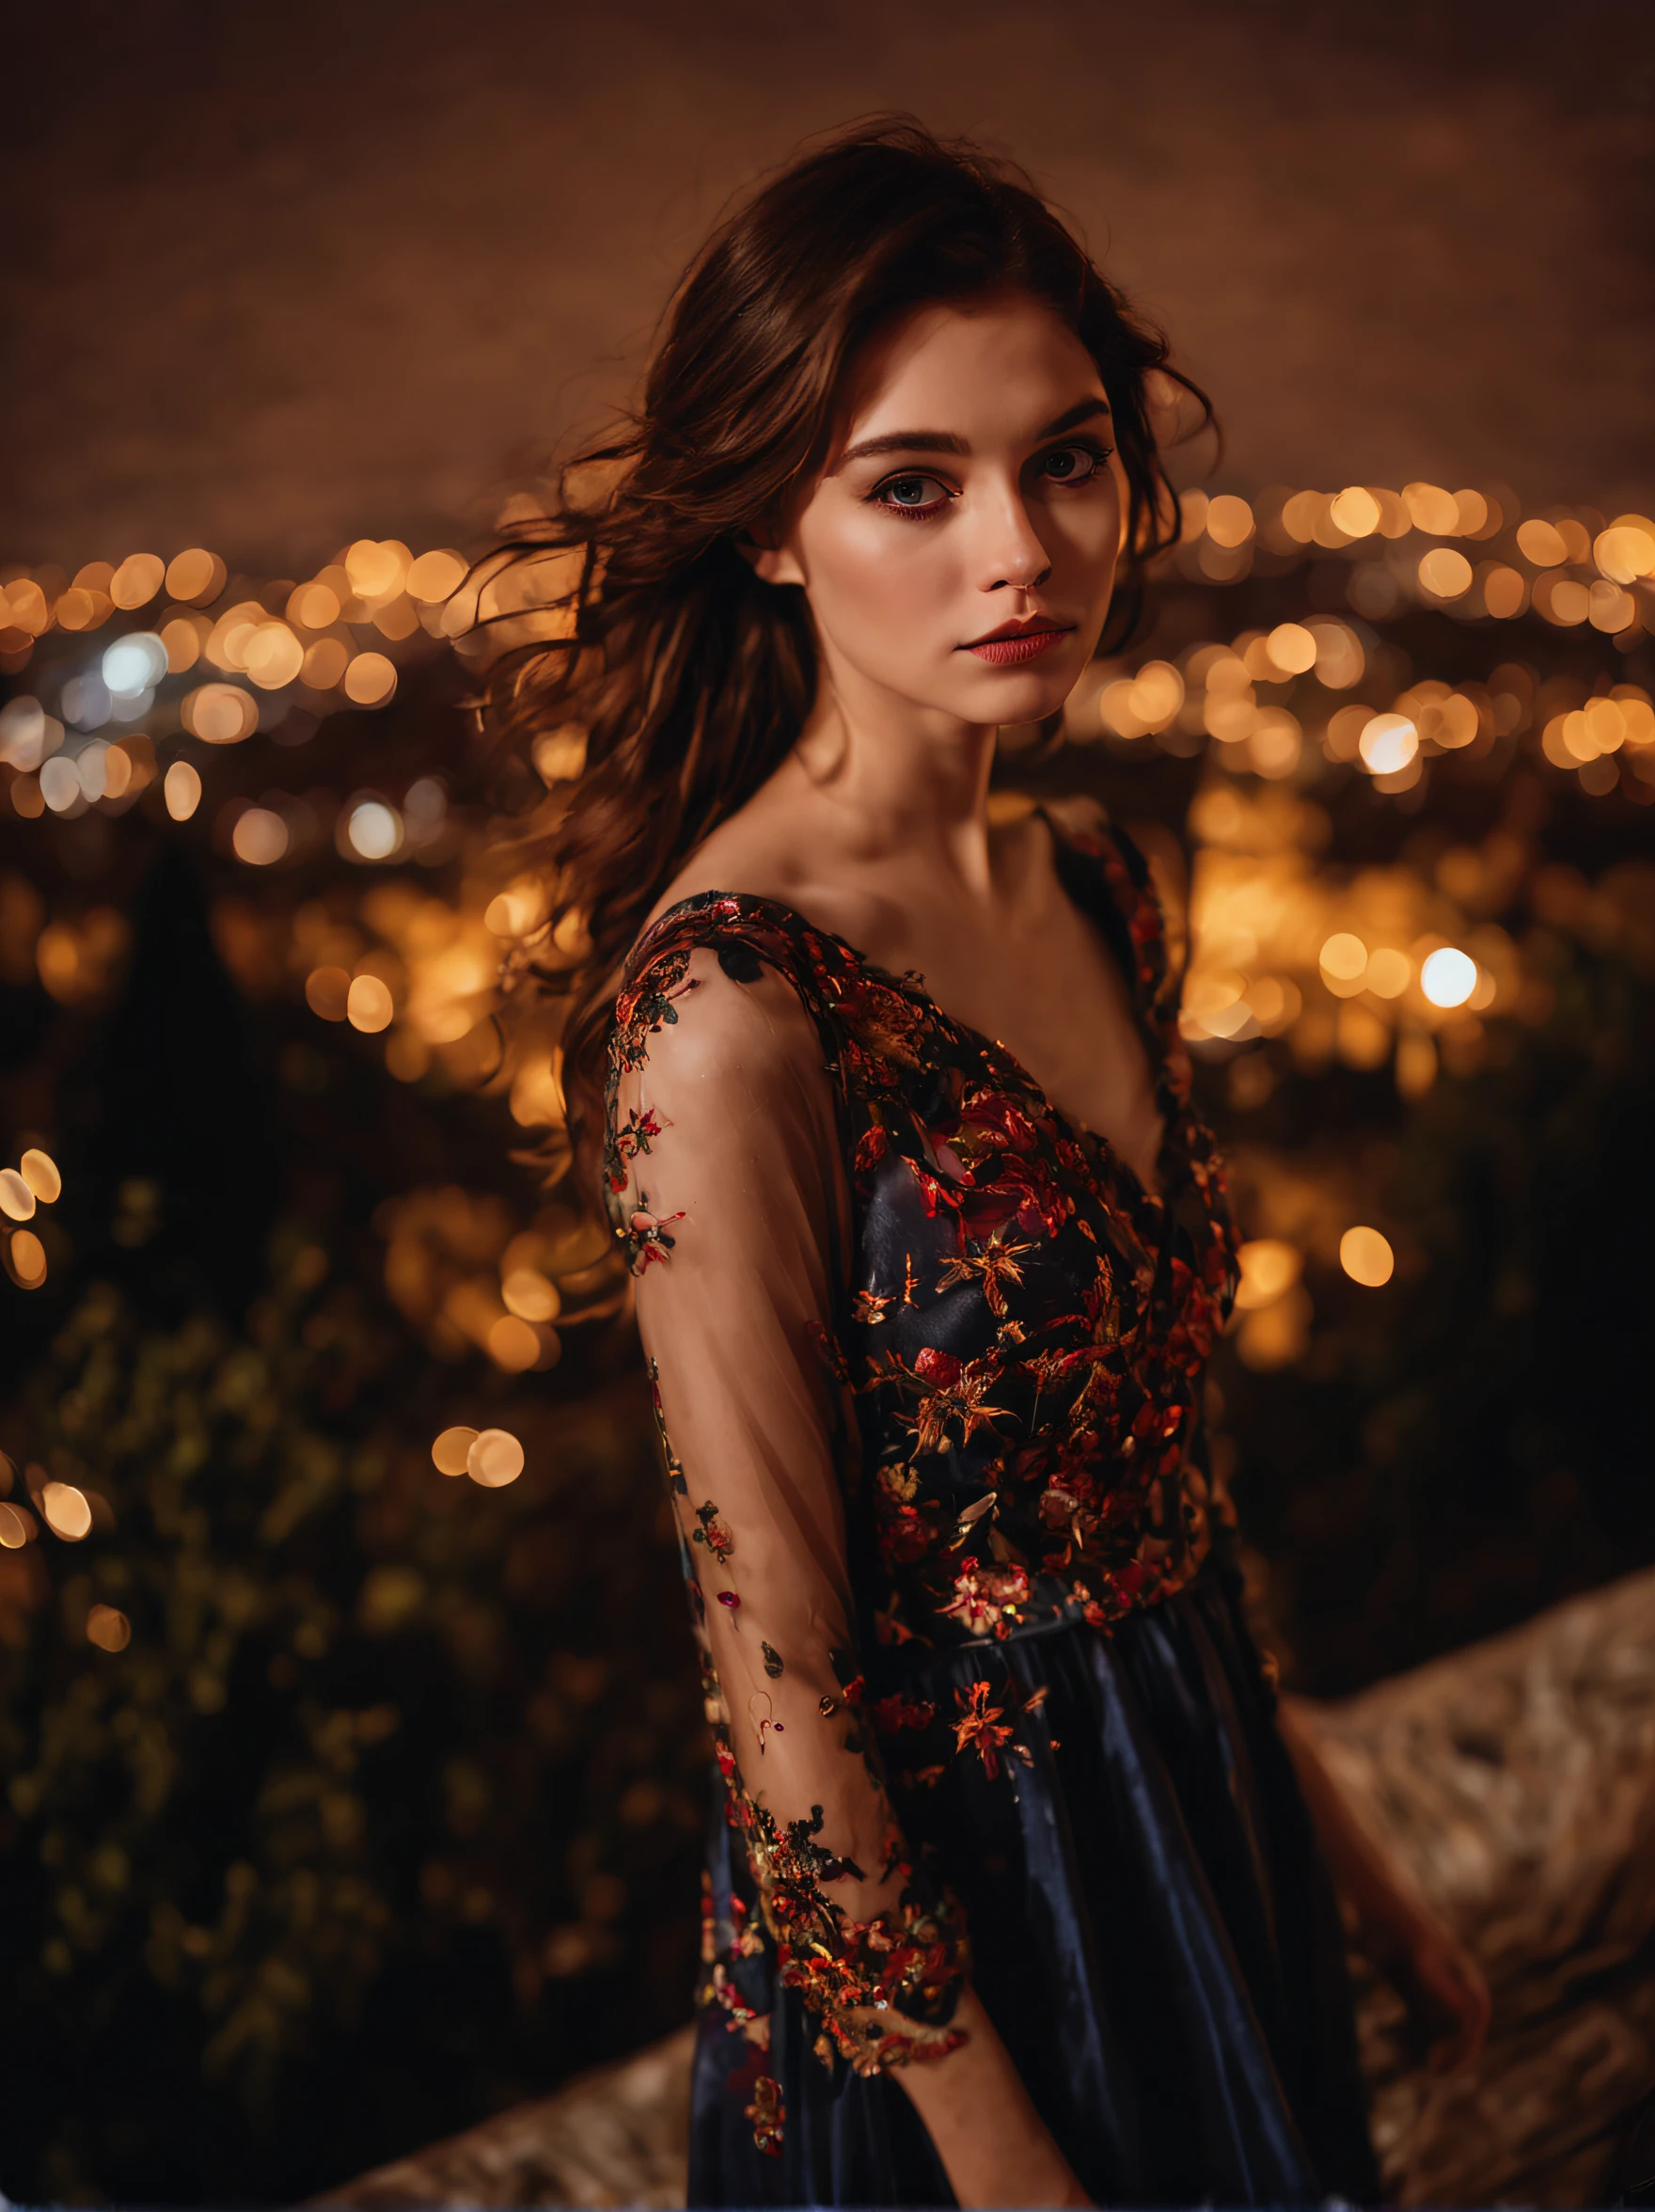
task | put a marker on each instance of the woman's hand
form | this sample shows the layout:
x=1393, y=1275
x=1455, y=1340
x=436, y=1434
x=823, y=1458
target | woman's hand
x=1442, y=1983
x=995, y=2148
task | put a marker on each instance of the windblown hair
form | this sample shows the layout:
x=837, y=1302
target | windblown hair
x=690, y=678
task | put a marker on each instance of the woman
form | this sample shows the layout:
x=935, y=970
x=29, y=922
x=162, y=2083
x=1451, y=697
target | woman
x=1011, y=1898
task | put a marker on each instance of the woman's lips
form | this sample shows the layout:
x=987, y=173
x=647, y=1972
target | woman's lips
x=1013, y=652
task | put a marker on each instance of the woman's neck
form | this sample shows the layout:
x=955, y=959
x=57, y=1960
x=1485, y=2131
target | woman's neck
x=900, y=779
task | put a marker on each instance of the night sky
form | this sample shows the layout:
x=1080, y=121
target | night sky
x=277, y=277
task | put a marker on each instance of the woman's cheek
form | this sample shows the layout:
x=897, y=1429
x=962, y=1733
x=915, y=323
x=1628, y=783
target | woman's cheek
x=885, y=580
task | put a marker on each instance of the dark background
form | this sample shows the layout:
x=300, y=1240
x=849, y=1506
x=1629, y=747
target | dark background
x=275, y=276
x=389, y=1814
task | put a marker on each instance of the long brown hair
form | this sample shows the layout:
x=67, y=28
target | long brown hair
x=690, y=678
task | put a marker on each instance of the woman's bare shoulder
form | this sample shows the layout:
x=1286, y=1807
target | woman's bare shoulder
x=761, y=858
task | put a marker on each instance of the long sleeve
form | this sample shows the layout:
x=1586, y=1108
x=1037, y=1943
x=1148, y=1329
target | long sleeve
x=727, y=1188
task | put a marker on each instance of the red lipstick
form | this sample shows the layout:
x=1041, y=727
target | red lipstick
x=1015, y=642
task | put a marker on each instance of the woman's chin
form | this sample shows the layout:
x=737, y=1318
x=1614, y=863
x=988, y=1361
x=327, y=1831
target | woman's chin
x=1024, y=695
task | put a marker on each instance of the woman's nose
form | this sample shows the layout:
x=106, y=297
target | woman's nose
x=1015, y=558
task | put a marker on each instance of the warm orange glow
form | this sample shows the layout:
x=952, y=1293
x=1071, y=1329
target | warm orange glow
x=450, y=1452
x=1292, y=648
x=1268, y=1267
x=111, y=1631
x=66, y=1511
x=376, y=569
x=1446, y=573
x=76, y=609
x=1431, y=510
x=40, y=1171
x=1626, y=550
x=219, y=714
x=1356, y=512
x=273, y=655
x=14, y=1529
x=324, y=663
x=28, y=1258
x=1505, y=591
x=181, y=789
x=196, y=577
x=16, y=1198
x=1542, y=543
x=182, y=641
x=313, y=607
x=530, y=1296
x=495, y=1458
x=1229, y=520
x=1343, y=956
x=259, y=837
x=1367, y=1258
x=559, y=755
x=513, y=1344
x=138, y=579
x=370, y=680
x=369, y=1004
x=327, y=992
x=1388, y=742
x=436, y=575
x=1475, y=512
x=1388, y=974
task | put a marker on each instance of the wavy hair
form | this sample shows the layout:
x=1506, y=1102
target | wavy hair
x=689, y=677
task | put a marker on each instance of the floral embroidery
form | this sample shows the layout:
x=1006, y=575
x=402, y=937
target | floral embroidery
x=1023, y=1342
x=631, y=1140
x=767, y=2112
x=980, y=1728
x=715, y=1534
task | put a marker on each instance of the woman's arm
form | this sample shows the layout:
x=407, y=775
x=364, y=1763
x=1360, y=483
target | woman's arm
x=995, y=2148
x=1441, y=1978
x=725, y=1169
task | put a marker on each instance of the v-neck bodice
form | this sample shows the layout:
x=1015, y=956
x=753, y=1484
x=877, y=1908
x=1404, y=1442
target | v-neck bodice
x=1022, y=1322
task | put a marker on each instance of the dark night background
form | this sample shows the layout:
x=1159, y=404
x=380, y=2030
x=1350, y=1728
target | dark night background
x=387, y=1815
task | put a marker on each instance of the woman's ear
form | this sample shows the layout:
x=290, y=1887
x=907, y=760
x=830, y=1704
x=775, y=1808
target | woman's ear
x=772, y=563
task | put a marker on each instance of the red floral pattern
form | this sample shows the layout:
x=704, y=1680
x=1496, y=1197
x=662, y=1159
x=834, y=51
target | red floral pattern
x=1024, y=1329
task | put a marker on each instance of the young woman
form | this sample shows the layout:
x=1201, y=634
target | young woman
x=1012, y=1898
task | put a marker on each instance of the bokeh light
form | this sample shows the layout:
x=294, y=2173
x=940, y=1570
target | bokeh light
x=369, y=1004
x=1388, y=743
x=108, y=1628
x=370, y=680
x=451, y=1450
x=1447, y=976
x=39, y=1172
x=374, y=829
x=1367, y=1258
x=16, y=1200
x=494, y=1459
x=66, y=1511
x=181, y=790
x=196, y=577
x=259, y=837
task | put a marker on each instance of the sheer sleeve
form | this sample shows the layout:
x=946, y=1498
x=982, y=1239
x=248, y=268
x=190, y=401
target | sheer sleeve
x=727, y=1188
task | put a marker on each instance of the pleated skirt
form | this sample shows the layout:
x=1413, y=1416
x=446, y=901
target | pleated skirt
x=1153, y=1934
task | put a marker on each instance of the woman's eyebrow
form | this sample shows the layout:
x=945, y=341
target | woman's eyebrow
x=903, y=441
x=946, y=441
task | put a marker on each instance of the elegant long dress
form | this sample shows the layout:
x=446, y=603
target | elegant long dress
x=928, y=1362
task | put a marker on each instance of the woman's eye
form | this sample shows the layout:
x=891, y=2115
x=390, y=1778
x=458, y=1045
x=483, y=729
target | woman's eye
x=911, y=494
x=1072, y=464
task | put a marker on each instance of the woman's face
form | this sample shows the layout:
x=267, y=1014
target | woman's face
x=959, y=550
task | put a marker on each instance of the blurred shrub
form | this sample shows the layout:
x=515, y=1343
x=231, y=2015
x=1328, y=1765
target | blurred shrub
x=383, y=1809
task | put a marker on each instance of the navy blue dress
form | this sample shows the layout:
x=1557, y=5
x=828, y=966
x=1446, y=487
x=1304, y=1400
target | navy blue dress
x=1011, y=1723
